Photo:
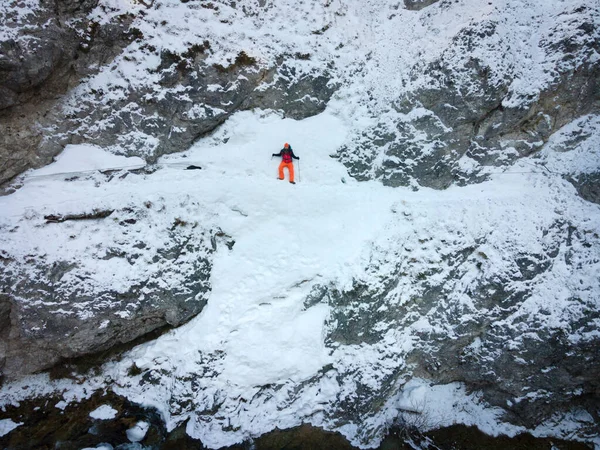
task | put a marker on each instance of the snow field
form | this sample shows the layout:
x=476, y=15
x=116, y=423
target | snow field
x=288, y=237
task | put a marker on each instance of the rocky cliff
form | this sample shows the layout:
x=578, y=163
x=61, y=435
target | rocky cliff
x=489, y=282
x=77, y=72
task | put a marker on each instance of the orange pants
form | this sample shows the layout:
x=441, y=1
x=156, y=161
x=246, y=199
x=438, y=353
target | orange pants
x=290, y=167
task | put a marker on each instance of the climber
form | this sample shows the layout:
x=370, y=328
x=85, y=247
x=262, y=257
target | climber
x=286, y=154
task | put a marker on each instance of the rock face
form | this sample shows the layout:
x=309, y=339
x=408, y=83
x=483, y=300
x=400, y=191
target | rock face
x=150, y=124
x=469, y=110
x=38, y=68
x=588, y=186
x=83, y=425
x=416, y=5
x=46, y=53
x=468, y=114
x=483, y=333
x=58, y=310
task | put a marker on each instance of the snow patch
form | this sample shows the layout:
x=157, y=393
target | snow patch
x=104, y=412
x=7, y=425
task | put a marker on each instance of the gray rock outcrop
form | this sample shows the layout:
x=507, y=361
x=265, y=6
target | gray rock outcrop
x=481, y=334
x=50, y=51
x=150, y=123
x=54, y=311
x=470, y=118
x=417, y=5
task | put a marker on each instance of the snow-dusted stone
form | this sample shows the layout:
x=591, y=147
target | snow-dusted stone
x=46, y=49
x=468, y=109
x=187, y=92
x=61, y=405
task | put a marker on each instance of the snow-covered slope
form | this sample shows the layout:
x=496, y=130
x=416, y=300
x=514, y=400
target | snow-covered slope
x=342, y=303
x=301, y=324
